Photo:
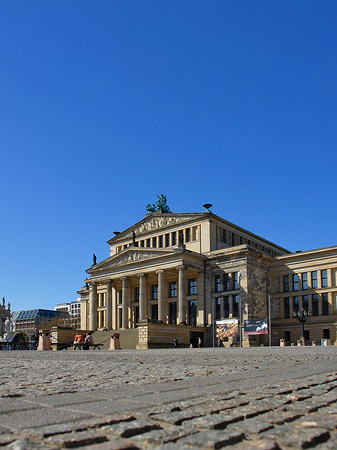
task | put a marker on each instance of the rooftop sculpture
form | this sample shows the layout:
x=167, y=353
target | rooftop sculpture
x=160, y=205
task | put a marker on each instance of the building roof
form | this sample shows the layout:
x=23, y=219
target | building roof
x=35, y=314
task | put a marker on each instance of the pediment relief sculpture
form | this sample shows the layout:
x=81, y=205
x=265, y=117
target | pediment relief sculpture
x=157, y=222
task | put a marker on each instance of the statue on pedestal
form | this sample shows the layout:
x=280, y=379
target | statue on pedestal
x=8, y=336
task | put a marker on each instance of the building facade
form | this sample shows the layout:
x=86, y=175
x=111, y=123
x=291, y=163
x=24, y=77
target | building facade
x=28, y=320
x=190, y=269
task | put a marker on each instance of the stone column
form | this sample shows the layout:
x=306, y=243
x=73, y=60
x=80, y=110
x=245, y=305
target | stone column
x=201, y=307
x=108, y=304
x=181, y=295
x=161, y=295
x=124, y=302
x=114, y=323
x=93, y=306
x=142, y=297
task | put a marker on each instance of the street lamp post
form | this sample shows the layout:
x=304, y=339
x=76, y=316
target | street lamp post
x=302, y=315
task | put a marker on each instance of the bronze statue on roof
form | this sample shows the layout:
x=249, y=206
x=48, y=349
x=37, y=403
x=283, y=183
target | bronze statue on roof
x=160, y=205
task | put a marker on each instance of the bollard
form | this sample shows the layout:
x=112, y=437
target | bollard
x=44, y=340
x=114, y=342
x=282, y=343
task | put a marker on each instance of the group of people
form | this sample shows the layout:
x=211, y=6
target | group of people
x=86, y=341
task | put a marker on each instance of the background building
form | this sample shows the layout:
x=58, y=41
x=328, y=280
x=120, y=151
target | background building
x=26, y=321
x=72, y=313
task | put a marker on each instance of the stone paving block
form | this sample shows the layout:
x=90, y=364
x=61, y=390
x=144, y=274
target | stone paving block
x=256, y=444
x=15, y=404
x=250, y=427
x=7, y=439
x=39, y=417
x=293, y=436
x=318, y=420
x=129, y=429
x=177, y=417
x=215, y=421
x=163, y=436
x=71, y=440
x=279, y=417
x=113, y=444
x=212, y=439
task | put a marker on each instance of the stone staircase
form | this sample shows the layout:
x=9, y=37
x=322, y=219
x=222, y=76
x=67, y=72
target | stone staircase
x=128, y=338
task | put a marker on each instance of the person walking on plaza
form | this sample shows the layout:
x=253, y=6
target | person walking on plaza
x=175, y=343
x=199, y=342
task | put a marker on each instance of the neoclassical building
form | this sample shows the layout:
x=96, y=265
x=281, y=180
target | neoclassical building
x=174, y=274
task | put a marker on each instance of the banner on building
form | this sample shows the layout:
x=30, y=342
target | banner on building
x=257, y=326
x=226, y=328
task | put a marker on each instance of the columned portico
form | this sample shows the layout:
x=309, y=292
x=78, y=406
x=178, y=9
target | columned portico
x=93, y=306
x=181, y=295
x=142, y=297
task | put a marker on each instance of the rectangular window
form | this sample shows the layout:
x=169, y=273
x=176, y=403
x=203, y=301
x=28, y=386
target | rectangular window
x=295, y=282
x=287, y=336
x=296, y=304
x=235, y=280
x=233, y=239
x=315, y=300
x=306, y=335
x=217, y=285
x=192, y=313
x=172, y=289
x=154, y=292
x=192, y=286
x=154, y=242
x=194, y=233
x=218, y=308
x=326, y=333
x=188, y=234
x=224, y=236
x=173, y=312
x=142, y=243
x=167, y=240
x=314, y=282
x=137, y=294
x=226, y=307
x=304, y=281
x=286, y=283
x=305, y=302
x=235, y=305
x=154, y=312
x=325, y=304
x=286, y=308
x=161, y=241
x=174, y=238
x=324, y=278
x=226, y=282
x=119, y=297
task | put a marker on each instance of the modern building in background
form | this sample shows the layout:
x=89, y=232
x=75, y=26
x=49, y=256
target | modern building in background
x=184, y=271
x=27, y=321
x=72, y=313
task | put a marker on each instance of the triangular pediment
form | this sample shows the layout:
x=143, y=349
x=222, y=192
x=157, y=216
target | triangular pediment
x=127, y=257
x=157, y=221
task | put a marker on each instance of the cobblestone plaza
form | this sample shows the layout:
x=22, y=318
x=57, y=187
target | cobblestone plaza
x=253, y=398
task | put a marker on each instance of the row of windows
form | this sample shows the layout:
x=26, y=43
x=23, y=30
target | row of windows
x=192, y=313
x=226, y=307
x=305, y=280
x=172, y=290
x=305, y=304
x=233, y=239
x=230, y=282
x=325, y=334
x=165, y=240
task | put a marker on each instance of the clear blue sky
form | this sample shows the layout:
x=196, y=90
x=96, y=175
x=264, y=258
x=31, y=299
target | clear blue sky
x=104, y=104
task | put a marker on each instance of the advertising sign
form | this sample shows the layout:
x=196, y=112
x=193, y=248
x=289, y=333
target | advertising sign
x=226, y=328
x=257, y=326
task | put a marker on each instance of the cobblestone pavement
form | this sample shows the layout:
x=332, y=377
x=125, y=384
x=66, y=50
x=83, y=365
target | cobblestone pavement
x=263, y=398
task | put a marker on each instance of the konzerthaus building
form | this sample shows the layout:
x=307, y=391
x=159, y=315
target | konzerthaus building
x=173, y=274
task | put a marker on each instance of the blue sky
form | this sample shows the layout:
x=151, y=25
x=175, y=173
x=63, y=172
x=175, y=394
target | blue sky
x=104, y=104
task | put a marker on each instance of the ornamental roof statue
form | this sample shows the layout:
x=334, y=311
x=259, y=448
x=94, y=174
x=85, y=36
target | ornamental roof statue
x=160, y=205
